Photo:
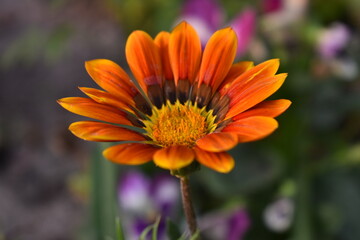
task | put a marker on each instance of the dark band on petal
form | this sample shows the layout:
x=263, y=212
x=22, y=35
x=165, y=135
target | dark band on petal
x=220, y=105
x=203, y=95
x=142, y=104
x=220, y=115
x=215, y=99
x=155, y=95
x=183, y=90
x=134, y=120
x=222, y=125
x=170, y=90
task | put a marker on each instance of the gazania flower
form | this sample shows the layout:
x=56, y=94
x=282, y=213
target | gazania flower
x=187, y=105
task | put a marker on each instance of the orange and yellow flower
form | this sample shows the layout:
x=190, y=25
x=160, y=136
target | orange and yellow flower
x=187, y=104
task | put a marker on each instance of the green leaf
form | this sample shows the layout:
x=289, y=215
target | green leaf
x=103, y=197
x=153, y=227
x=146, y=232
x=156, y=226
x=196, y=235
x=119, y=230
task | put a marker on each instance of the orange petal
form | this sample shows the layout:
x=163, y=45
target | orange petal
x=260, y=71
x=217, y=142
x=89, y=108
x=221, y=161
x=162, y=41
x=131, y=153
x=272, y=108
x=106, y=98
x=103, y=132
x=184, y=52
x=143, y=58
x=174, y=157
x=111, y=77
x=252, y=128
x=252, y=93
x=218, y=57
x=235, y=71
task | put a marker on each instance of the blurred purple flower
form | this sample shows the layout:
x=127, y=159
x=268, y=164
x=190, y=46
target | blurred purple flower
x=332, y=40
x=239, y=223
x=142, y=199
x=230, y=225
x=206, y=16
x=165, y=193
x=278, y=215
x=134, y=193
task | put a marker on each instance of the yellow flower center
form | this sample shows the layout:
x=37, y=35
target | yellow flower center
x=179, y=124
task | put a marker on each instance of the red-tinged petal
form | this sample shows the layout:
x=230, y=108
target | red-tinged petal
x=131, y=153
x=174, y=157
x=217, y=142
x=112, y=78
x=143, y=58
x=252, y=93
x=103, y=132
x=89, y=108
x=106, y=98
x=162, y=41
x=261, y=71
x=272, y=108
x=218, y=57
x=221, y=161
x=252, y=128
x=235, y=71
x=184, y=52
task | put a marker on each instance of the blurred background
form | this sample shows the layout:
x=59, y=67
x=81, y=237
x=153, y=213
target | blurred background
x=301, y=183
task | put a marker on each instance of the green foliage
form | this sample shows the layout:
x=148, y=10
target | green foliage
x=150, y=16
x=119, y=230
x=104, y=204
x=153, y=229
x=172, y=230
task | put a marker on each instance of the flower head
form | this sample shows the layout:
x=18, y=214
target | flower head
x=188, y=104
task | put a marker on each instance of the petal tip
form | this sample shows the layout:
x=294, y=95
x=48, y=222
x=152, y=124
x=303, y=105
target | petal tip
x=287, y=103
x=61, y=101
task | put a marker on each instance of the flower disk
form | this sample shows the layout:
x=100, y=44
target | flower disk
x=179, y=124
x=188, y=104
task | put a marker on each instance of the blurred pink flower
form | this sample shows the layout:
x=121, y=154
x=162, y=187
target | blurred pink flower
x=207, y=15
x=244, y=26
x=208, y=11
x=270, y=6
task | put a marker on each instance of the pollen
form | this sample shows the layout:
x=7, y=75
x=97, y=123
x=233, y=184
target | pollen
x=179, y=124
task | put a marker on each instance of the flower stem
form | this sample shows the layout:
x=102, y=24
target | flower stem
x=187, y=204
